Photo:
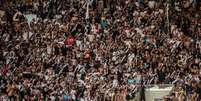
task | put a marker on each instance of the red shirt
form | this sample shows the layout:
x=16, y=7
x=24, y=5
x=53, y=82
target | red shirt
x=69, y=41
x=5, y=69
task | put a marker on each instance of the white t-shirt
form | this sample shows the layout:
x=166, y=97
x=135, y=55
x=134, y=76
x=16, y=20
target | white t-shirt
x=25, y=35
x=30, y=34
x=90, y=37
x=49, y=50
x=72, y=93
x=115, y=83
x=114, y=58
x=130, y=57
x=128, y=43
x=78, y=42
x=151, y=4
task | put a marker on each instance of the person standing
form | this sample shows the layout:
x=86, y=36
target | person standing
x=142, y=91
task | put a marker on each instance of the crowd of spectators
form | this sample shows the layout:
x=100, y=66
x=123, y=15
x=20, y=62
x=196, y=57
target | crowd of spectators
x=69, y=53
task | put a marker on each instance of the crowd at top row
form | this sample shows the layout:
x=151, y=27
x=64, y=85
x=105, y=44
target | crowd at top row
x=106, y=53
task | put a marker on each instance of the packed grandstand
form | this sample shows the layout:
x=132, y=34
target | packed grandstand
x=100, y=50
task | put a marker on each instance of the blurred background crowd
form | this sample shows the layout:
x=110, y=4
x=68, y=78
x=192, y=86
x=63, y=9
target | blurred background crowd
x=99, y=50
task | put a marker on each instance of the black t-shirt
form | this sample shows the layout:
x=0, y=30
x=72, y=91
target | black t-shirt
x=161, y=76
x=28, y=91
x=189, y=88
x=56, y=50
x=115, y=34
x=64, y=51
x=44, y=91
x=198, y=91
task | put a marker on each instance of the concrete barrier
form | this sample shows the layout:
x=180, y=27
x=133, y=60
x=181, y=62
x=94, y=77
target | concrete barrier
x=155, y=93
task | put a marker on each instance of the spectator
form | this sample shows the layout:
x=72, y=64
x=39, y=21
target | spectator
x=60, y=55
